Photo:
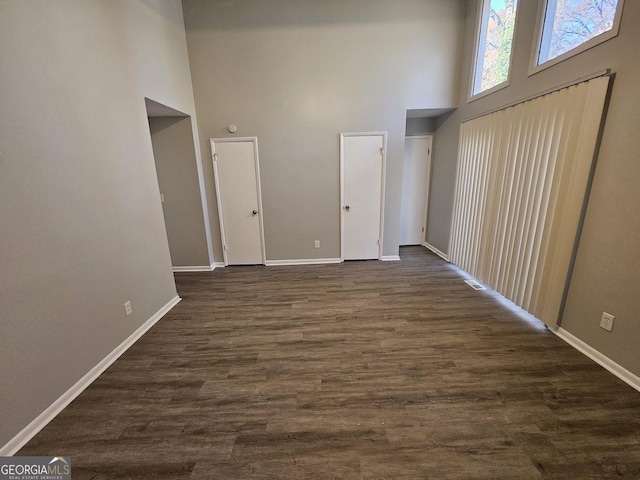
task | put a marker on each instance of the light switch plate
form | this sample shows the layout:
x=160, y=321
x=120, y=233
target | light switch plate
x=127, y=308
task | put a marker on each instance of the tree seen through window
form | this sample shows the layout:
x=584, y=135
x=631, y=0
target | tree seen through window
x=495, y=43
x=570, y=23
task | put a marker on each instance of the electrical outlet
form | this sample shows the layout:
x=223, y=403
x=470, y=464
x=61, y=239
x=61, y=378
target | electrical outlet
x=316, y=244
x=606, y=321
x=127, y=308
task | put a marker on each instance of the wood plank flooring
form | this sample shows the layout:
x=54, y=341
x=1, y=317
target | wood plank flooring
x=362, y=370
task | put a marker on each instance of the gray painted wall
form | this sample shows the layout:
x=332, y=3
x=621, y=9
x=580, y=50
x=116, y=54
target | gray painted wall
x=296, y=73
x=420, y=126
x=175, y=159
x=606, y=275
x=82, y=229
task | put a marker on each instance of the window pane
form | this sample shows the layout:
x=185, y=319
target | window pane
x=494, y=46
x=570, y=23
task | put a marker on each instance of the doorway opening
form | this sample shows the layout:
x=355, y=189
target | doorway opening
x=180, y=195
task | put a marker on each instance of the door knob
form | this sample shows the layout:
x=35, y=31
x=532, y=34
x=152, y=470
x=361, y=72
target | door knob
x=255, y=212
x=347, y=207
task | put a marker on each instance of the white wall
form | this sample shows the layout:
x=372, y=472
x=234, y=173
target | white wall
x=297, y=73
x=82, y=228
x=606, y=276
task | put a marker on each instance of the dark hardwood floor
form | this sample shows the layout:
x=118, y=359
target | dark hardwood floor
x=385, y=370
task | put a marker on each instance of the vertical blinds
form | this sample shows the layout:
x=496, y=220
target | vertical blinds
x=521, y=184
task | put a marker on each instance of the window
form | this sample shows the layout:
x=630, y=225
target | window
x=495, y=40
x=569, y=27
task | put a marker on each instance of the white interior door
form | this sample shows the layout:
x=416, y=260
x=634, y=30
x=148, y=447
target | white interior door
x=415, y=190
x=237, y=177
x=362, y=168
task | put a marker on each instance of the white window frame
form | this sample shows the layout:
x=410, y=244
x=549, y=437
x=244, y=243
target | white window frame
x=481, y=26
x=544, y=22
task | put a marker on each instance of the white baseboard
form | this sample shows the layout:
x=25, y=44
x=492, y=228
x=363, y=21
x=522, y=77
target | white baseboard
x=618, y=370
x=203, y=268
x=193, y=269
x=28, y=432
x=302, y=261
x=440, y=253
x=390, y=258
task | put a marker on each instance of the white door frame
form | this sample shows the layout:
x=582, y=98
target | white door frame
x=382, y=186
x=427, y=190
x=256, y=162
